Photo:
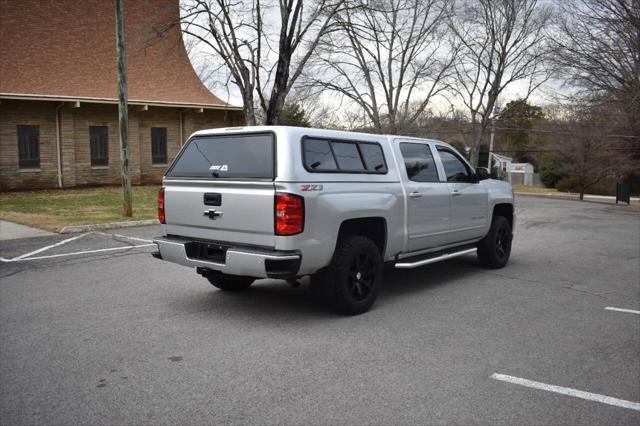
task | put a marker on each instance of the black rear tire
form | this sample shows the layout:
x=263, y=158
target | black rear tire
x=495, y=248
x=229, y=282
x=356, y=274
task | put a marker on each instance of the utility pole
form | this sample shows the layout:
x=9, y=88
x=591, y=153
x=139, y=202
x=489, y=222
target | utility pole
x=493, y=131
x=491, y=145
x=123, y=115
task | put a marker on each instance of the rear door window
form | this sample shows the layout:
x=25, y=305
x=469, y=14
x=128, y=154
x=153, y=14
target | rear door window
x=248, y=156
x=419, y=163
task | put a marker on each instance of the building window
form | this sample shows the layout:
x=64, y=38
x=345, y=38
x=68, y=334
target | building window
x=99, y=140
x=29, y=147
x=158, y=145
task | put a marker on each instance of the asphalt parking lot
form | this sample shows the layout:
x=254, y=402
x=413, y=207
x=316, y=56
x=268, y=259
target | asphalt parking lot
x=94, y=333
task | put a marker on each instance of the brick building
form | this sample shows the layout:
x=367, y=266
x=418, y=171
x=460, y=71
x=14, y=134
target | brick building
x=59, y=91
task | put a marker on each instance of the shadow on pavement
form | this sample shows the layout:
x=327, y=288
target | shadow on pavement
x=269, y=299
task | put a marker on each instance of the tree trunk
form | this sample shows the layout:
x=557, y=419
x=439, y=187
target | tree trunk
x=249, y=116
x=581, y=194
x=248, y=110
x=278, y=93
x=276, y=104
x=474, y=154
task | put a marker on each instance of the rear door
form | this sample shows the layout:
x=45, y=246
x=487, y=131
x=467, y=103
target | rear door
x=469, y=199
x=221, y=188
x=427, y=198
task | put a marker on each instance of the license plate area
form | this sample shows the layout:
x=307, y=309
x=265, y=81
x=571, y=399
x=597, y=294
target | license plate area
x=206, y=251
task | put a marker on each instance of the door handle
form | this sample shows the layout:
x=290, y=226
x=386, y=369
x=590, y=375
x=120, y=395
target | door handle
x=456, y=193
x=415, y=194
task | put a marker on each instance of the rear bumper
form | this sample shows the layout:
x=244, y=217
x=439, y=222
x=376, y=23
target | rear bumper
x=238, y=260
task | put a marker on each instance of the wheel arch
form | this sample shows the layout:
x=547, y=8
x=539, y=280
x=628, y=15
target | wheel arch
x=374, y=228
x=505, y=210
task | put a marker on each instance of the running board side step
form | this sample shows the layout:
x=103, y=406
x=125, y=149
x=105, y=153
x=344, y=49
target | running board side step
x=436, y=257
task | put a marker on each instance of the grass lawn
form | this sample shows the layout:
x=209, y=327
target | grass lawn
x=54, y=209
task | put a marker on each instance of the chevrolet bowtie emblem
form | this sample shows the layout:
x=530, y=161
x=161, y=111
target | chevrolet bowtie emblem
x=213, y=214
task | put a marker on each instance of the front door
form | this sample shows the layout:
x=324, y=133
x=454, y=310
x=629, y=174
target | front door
x=469, y=199
x=427, y=198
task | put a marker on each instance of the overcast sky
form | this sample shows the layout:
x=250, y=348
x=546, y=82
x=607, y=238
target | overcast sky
x=217, y=82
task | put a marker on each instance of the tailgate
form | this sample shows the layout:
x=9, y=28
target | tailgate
x=242, y=211
x=220, y=187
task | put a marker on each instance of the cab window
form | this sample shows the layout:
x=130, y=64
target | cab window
x=455, y=169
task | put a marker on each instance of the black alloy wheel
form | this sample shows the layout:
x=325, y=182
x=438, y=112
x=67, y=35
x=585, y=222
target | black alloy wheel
x=503, y=242
x=355, y=274
x=494, y=249
x=362, y=275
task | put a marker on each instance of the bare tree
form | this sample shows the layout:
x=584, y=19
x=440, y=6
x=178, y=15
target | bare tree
x=501, y=42
x=587, y=152
x=388, y=57
x=598, y=49
x=261, y=57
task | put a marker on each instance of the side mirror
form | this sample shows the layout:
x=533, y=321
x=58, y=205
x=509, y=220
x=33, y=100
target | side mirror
x=482, y=173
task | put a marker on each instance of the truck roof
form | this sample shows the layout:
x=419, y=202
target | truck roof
x=299, y=131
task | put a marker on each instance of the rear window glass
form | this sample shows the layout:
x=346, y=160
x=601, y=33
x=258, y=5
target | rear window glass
x=347, y=155
x=318, y=155
x=373, y=157
x=226, y=156
x=322, y=155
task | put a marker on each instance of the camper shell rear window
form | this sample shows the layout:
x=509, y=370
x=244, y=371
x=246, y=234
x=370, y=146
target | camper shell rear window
x=239, y=156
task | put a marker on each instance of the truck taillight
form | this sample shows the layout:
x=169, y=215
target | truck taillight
x=289, y=214
x=161, y=217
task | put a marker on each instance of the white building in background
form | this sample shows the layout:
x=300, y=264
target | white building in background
x=502, y=164
x=521, y=174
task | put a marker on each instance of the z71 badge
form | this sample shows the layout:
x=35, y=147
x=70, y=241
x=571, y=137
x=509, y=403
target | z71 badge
x=307, y=188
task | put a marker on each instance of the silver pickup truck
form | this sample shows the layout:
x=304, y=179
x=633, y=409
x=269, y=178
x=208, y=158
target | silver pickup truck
x=240, y=204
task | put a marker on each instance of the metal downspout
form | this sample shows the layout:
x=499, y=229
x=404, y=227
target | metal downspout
x=58, y=147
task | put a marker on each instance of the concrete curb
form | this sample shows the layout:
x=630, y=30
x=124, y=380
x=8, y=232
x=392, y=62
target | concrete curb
x=103, y=226
x=575, y=197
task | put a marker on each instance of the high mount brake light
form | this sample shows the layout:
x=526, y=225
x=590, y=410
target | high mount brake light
x=289, y=214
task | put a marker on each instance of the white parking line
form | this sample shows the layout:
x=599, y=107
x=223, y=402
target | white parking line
x=59, y=243
x=125, y=236
x=629, y=311
x=30, y=256
x=75, y=253
x=568, y=391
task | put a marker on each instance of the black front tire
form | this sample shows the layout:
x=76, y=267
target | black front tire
x=356, y=274
x=230, y=282
x=494, y=249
